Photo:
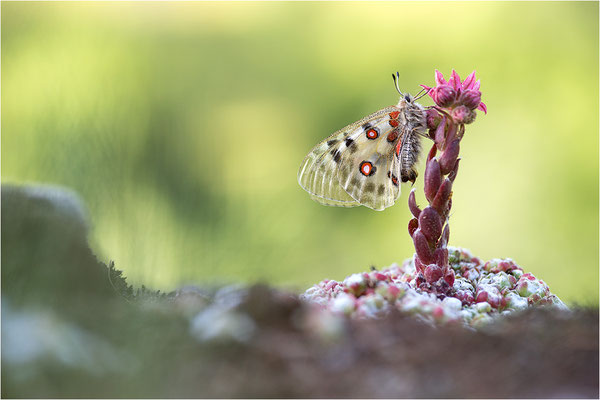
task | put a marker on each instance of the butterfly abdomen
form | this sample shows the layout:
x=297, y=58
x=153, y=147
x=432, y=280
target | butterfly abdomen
x=414, y=116
x=409, y=155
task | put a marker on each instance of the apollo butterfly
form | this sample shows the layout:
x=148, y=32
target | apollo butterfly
x=364, y=163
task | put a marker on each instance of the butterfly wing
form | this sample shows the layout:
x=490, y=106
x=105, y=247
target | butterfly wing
x=317, y=174
x=370, y=174
x=331, y=171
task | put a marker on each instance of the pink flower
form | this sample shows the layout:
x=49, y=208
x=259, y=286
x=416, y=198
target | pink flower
x=455, y=93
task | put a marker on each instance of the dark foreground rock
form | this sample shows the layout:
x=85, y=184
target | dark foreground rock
x=73, y=327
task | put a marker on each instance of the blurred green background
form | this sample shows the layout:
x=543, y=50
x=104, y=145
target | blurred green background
x=182, y=125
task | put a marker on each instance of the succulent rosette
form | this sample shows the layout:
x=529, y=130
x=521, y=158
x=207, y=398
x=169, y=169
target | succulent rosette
x=480, y=292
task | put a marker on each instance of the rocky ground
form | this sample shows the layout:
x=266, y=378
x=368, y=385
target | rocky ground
x=73, y=327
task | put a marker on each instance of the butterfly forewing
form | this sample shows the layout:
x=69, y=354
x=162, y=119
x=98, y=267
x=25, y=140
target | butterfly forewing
x=335, y=173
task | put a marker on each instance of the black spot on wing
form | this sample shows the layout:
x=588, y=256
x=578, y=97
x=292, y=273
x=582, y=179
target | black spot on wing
x=331, y=142
x=381, y=189
x=337, y=156
x=369, y=187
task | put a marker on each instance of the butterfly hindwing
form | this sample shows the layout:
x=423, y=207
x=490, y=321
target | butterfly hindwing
x=317, y=173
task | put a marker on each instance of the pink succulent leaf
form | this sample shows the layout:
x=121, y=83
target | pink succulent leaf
x=430, y=90
x=476, y=85
x=422, y=248
x=440, y=134
x=433, y=179
x=412, y=204
x=440, y=202
x=433, y=273
x=430, y=224
x=439, y=78
x=482, y=107
x=450, y=277
x=447, y=159
x=433, y=119
x=469, y=81
x=413, y=225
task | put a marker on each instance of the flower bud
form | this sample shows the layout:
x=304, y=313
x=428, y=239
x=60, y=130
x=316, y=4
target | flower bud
x=444, y=95
x=470, y=98
x=463, y=115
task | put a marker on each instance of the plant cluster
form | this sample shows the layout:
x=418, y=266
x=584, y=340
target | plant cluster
x=456, y=103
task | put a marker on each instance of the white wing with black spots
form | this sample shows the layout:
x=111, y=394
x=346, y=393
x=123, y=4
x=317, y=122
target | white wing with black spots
x=364, y=163
x=370, y=174
x=318, y=174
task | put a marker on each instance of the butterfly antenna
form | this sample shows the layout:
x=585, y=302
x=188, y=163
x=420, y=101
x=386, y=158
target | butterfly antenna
x=421, y=94
x=396, y=78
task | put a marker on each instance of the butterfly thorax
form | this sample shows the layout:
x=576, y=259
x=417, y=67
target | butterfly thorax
x=413, y=113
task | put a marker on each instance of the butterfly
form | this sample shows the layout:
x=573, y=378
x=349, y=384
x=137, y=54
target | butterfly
x=364, y=163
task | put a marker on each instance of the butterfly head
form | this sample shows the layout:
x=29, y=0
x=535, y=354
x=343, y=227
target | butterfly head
x=408, y=103
x=406, y=99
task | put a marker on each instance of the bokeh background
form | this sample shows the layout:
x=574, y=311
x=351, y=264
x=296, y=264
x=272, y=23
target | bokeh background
x=182, y=126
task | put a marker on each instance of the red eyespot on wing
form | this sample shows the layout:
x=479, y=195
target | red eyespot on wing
x=393, y=178
x=372, y=134
x=394, y=114
x=394, y=122
x=393, y=135
x=366, y=168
